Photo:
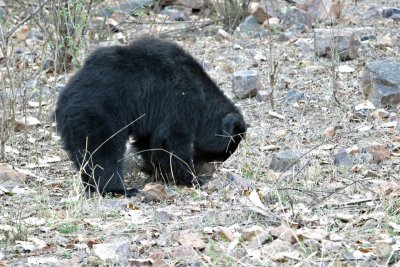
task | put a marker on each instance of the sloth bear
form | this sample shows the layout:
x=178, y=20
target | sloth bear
x=155, y=92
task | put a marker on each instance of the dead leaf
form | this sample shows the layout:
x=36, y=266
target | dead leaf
x=154, y=192
x=255, y=199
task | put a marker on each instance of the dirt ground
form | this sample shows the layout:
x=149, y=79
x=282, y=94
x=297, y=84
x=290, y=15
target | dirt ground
x=315, y=214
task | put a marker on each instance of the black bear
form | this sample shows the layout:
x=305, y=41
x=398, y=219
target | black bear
x=155, y=92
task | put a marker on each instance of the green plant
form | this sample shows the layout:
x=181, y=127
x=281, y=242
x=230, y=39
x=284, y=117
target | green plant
x=68, y=228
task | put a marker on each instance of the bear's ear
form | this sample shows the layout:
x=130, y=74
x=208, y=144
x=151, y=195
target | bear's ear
x=233, y=124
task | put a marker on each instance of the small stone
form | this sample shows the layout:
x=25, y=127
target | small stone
x=162, y=216
x=294, y=96
x=330, y=132
x=391, y=13
x=251, y=232
x=284, y=160
x=366, y=105
x=250, y=25
x=7, y=173
x=280, y=133
x=372, y=12
x=226, y=233
x=342, y=158
x=392, y=117
x=117, y=252
x=369, y=37
x=263, y=95
x=331, y=246
x=327, y=44
x=345, y=69
x=259, y=12
x=320, y=10
x=222, y=35
x=298, y=17
x=190, y=239
x=381, y=82
x=385, y=41
x=380, y=114
x=246, y=83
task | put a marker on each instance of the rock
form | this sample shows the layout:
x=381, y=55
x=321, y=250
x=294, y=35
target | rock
x=7, y=173
x=372, y=12
x=321, y=9
x=246, y=83
x=130, y=6
x=25, y=123
x=35, y=35
x=391, y=13
x=284, y=160
x=286, y=36
x=174, y=14
x=183, y=252
x=225, y=233
x=329, y=132
x=342, y=158
x=162, y=216
x=250, y=25
x=259, y=12
x=294, y=96
x=345, y=44
x=190, y=239
x=251, y=232
x=193, y=4
x=381, y=82
x=385, y=41
x=365, y=105
x=263, y=95
x=222, y=35
x=380, y=114
x=117, y=252
x=368, y=37
x=298, y=17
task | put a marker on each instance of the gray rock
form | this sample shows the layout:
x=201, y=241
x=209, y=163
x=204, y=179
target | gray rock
x=342, y=158
x=391, y=13
x=345, y=44
x=381, y=82
x=263, y=95
x=298, y=17
x=284, y=160
x=294, y=96
x=246, y=83
x=372, y=12
x=130, y=6
x=174, y=13
x=250, y=25
x=35, y=35
x=369, y=37
x=117, y=252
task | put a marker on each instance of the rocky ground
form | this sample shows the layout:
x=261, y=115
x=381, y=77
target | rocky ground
x=314, y=184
